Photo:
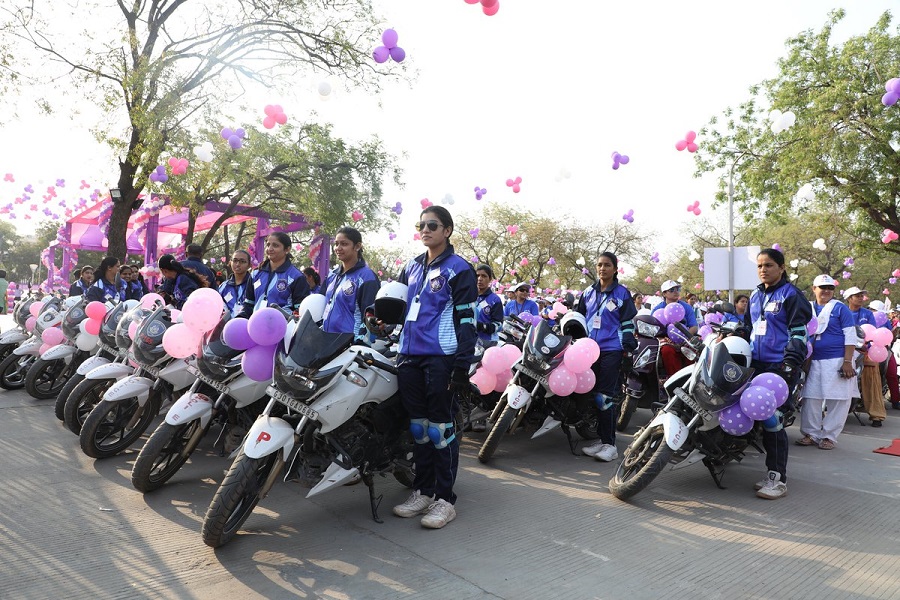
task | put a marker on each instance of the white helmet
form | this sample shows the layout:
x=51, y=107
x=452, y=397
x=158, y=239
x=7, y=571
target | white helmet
x=739, y=349
x=574, y=324
x=876, y=305
x=390, y=303
x=314, y=304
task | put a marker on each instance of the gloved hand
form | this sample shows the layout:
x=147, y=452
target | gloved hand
x=790, y=373
x=479, y=327
x=459, y=381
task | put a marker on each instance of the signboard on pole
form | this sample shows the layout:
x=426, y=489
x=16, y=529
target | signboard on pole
x=715, y=268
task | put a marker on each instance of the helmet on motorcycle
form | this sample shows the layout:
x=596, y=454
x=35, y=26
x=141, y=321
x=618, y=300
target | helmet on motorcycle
x=739, y=350
x=147, y=346
x=123, y=329
x=216, y=359
x=390, y=303
x=314, y=304
x=574, y=324
x=74, y=317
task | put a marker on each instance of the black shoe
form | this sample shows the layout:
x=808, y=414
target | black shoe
x=876, y=423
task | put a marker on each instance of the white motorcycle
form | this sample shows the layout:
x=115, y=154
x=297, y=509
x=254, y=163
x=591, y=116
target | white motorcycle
x=18, y=334
x=14, y=368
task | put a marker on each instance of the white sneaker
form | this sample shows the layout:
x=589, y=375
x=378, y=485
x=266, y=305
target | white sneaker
x=761, y=483
x=773, y=488
x=607, y=453
x=416, y=504
x=593, y=449
x=439, y=514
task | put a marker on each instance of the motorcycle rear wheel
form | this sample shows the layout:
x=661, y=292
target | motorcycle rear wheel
x=106, y=433
x=641, y=466
x=164, y=453
x=46, y=377
x=64, y=393
x=84, y=397
x=626, y=411
x=237, y=497
x=12, y=372
x=496, y=434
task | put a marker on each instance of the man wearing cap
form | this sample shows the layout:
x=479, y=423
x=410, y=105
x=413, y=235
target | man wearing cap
x=831, y=382
x=871, y=377
x=521, y=303
x=672, y=359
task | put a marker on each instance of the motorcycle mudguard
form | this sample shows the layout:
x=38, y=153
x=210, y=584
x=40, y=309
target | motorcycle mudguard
x=694, y=457
x=30, y=347
x=189, y=407
x=517, y=396
x=110, y=371
x=14, y=337
x=129, y=388
x=268, y=435
x=549, y=425
x=92, y=363
x=674, y=430
x=59, y=351
x=335, y=475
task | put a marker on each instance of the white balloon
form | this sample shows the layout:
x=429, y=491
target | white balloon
x=775, y=116
x=324, y=88
x=794, y=276
x=789, y=118
x=795, y=263
x=86, y=341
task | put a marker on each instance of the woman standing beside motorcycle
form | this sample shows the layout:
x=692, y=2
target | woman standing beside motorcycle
x=179, y=282
x=234, y=289
x=350, y=287
x=608, y=308
x=436, y=346
x=488, y=305
x=105, y=287
x=277, y=281
x=779, y=314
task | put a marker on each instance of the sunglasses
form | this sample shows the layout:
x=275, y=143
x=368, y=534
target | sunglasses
x=826, y=287
x=674, y=289
x=431, y=225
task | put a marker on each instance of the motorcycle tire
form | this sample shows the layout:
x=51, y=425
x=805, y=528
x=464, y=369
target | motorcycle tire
x=12, y=373
x=6, y=350
x=626, y=411
x=164, y=453
x=84, y=397
x=64, y=394
x=587, y=427
x=105, y=432
x=496, y=434
x=639, y=467
x=46, y=377
x=237, y=497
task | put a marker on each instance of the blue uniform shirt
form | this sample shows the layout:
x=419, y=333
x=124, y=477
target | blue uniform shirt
x=831, y=342
x=514, y=308
x=863, y=316
x=233, y=294
x=103, y=291
x=489, y=313
x=786, y=313
x=610, y=316
x=347, y=295
x=286, y=287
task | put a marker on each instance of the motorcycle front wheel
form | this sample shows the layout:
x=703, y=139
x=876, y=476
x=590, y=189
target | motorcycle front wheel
x=167, y=449
x=114, y=425
x=84, y=397
x=13, y=369
x=641, y=465
x=237, y=497
x=64, y=393
x=496, y=434
x=46, y=378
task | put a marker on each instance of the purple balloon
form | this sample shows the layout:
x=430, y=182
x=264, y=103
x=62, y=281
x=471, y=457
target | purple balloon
x=890, y=99
x=735, y=422
x=240, y=132
x=623, y=159
x=774, y=383
x=235, y=335
x=758, y=403
x=893, y=85
x=660, y=315
x=397, y=53
x=675, y=335
x=880, y=319
x=389, y=38
x=258, y=362
x=711, y=318
x=704, y=331
x=267, y=326
x=235, y=142
x=381, y=54
x=812, y=326
x=226, y=133
x=674, y=312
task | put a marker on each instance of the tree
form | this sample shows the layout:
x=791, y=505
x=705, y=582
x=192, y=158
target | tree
x=844, y=143
x=166, y=62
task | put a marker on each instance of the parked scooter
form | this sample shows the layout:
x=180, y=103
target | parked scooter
x=18, y=334
x=14, y=367
x=236, y=397
x=128, y=407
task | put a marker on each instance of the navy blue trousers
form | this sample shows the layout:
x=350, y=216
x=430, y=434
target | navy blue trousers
x=775, y=443
x=607, y=371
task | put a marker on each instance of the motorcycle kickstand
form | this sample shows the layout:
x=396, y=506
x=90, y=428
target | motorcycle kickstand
x=716, y=475
x=374, y=502
x=572, y=443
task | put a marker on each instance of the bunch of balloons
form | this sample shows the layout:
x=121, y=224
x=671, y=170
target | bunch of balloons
x=806, y=192
x=529, y=318
x=575, y=374
x=201, y=313
x=671, y=313
x=557, y=310
x=235, y=138
x=758, y=402
x=879, y=338
x=512, y=229
x=258, y=336
x=204, y=152
x=781, y=121
x=479, y=192
x=357, y=216
x=888, y=236
x=515, y=184
x=494, y=373
x=159, y=175
x=819, y=244
x=629, y=216
x=619, y=159
x=425, y=202
x=274, y=114
x=694, y=208
x=179, y=165
x=90, y=328
x=397, y=209
x=390, y=49
x=892, y=89
x=488, y=7
x=687, y=142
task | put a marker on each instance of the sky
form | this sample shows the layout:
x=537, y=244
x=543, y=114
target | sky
x=543, y=90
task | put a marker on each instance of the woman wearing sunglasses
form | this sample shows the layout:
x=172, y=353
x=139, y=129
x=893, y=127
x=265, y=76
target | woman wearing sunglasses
x=234, y=289
x=350, y=287
x=436, y=345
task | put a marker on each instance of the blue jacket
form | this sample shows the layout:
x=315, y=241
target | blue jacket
x=441, y=300
x=286, y=287
x=233, y=294
x=610, y=316
x=514, y=308
x=347, y=295
x=489, y=316
x=786, y=313
x=863, y=316
x=200, y=268
x=690, y=317
x=102, y=291
x=79, y=287
x=178, y=289
x=133, y=290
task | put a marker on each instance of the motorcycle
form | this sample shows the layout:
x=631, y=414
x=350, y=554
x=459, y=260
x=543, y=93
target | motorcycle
x=528, y=394
x=686, y=430
x=14, y=368
x=127, y=408
x=18, y=334
x=335, y=406
x=641, y=388
x=218, y=369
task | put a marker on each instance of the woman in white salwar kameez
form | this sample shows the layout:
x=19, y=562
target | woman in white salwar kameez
x=831, y=382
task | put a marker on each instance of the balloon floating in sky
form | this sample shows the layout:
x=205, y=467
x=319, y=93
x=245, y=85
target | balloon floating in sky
x=448, y=199
x=512, y=229
x=488, y=7
x=654, y=257
x=806, y=192
x=892, y=89
x=552, y=261
x=619, y=159
x=694, y=208
x=390, y=49
x=425, y=202
x=819, y=244
x=179, y=165
x=515, y=184
x=848, y=262
x=629, y=216
x=84, y=185
x=324, y=88
x=204, y=152
x=357, y=216
x=687, y=143
x=782, y=121
x=474, y=233
x=274, y=114
x=235, y=138
x=9, y=177
x=159, y=175
x=887, y=236
x=479, y=192
x=398, y=208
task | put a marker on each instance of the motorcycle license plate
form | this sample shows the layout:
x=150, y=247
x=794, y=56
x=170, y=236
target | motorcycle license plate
x=110, y=349
x=216, y=385
x=294, y=405
x=683, y=396
x=517, y=396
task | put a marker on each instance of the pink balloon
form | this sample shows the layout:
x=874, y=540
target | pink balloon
x=883, y=337
x=562, y=382
x=92, y=326
x=690, y=136
x=878, y=353
x=148, y=300
x=577, y=359
x=29, y=323
x=203, y=309
x=471, y=1
x=868, y=331
x=680, y=145
x=586, y=381
x=132, y=329
x=511, y=354
x=502, y=381
x=95, y=310
x=180, y=341
x=53, y=336
x=483, y=380
x=492, y=361
x=491, y=11
x=44, y=348
x=35, y=309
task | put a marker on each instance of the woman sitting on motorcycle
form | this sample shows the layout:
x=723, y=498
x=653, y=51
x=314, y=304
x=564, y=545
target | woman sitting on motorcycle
x=234, y=289
x=672, y=358
x=608, y=309
x=277, y=281
x=779, y=314
x=178, y=282
x=350, y=287
x=105, y=287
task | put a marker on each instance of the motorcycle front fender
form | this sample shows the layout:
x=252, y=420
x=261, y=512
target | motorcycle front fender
x=268, y=435
x=675, y=431
x=517, y=396
x=335, y=475
x=189, y=407
x=91, y=363
x=29, y=347
x=14, y=336
x=110, y=370
x=129, y=388
x=59, y=351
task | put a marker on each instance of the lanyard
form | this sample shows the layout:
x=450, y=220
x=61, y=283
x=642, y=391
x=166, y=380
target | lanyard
x=762, y=308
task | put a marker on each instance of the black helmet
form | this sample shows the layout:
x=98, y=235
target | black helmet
x=147, y=345
x=23, y=310
x=73, y=318
x=135, y=315
x=110, y=322
x=216, y=359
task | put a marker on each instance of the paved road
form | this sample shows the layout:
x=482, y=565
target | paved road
x=536, y=523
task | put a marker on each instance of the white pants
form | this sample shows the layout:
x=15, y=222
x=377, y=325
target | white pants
x=819, y=427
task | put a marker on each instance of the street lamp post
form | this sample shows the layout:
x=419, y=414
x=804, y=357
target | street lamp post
x=731, y=225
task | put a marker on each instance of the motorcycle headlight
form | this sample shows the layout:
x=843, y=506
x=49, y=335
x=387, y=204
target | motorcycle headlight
x=646, y=329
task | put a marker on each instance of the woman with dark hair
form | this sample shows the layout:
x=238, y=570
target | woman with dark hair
x=638, y=299
x=609, y=310
x=234, y=289
x=313, y=280
x=488, y=306
x=179, y=281
x=131, y=287
x=436, y=346
x=779, y=314
x=277, y=281
x=350, y=287
x=85, y=278
x=742, y=308
x=105, y=287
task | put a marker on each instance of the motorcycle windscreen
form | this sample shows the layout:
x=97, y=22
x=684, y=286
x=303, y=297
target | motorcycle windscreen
x=543, y=342
x=311, y=347
x=721, y=378
x=217, y=359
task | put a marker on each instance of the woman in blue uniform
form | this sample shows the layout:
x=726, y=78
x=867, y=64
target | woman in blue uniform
x=179, y=281
x=234, y=289
x=105, y=287
x=350, y=287
x=488, y=306
x=277, y=282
